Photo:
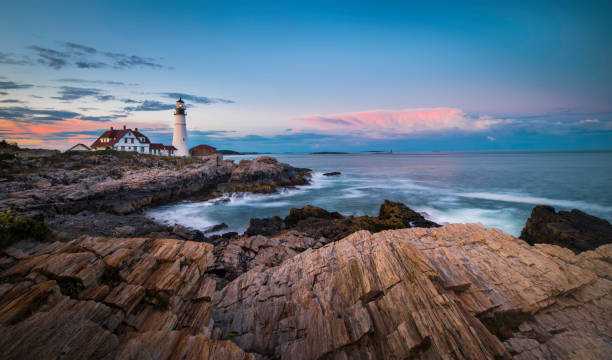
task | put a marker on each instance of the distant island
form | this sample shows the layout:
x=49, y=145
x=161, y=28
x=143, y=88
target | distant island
x=232, y=152
x=328, y=153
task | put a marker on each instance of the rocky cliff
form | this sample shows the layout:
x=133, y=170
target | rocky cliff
x=104, y=187
x=453, y=292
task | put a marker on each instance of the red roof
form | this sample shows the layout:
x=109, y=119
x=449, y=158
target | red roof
x=202, y=150
x=169, y=147
x=114, y=135
x=155, y=146
x=203, y=147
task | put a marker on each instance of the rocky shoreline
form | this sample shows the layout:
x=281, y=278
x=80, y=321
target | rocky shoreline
x=314, y=285
x=99, y=193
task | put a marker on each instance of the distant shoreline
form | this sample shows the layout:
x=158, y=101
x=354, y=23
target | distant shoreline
x=328, y=153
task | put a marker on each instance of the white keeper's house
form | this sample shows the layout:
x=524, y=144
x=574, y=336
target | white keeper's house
x=130, y=140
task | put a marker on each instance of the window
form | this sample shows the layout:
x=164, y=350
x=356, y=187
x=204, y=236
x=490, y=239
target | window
x=132, y=141
x=123, y=148
x=142, y=149
x=125, y=140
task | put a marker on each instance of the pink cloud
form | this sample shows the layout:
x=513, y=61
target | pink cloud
x=61, y=134
x=390, y=123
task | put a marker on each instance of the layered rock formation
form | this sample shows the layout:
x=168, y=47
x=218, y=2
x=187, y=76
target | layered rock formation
x=265, y=174
x=97, y=298
x=454, y=292
x=574, y=229
x=424, y=293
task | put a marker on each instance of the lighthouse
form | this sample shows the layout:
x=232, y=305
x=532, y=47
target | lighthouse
x=179, y=140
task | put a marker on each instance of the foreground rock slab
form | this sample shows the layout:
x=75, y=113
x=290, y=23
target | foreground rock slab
x=457, y=292
x=106, y=298
x=453, y=292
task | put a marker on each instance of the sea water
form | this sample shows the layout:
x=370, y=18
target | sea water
x=497, y=189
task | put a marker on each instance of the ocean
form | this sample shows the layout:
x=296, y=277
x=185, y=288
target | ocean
x=497, y=189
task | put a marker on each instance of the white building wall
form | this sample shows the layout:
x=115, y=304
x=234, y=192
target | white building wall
x=179, y=139
x=129, y=142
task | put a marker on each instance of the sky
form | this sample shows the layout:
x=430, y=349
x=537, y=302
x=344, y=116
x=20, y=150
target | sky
x=310, y=76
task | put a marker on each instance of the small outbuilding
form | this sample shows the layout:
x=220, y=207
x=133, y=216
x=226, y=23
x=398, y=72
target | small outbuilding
x=202, y=150
x=169, y=150
x=79, y=147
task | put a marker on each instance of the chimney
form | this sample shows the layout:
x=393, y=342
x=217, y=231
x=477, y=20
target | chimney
x=123, y=127
x=111, y=128
x=135, y=129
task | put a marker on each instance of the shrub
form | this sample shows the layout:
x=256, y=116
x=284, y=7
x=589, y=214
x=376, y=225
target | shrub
x=8, y=146
x=15, y=228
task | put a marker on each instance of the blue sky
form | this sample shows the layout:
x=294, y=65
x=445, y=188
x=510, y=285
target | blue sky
x=311, y=76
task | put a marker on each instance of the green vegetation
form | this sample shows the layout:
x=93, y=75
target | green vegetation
x=184, y=161
x=6, y=146
x=504, y=323
x=15, y=228
x=70, y=287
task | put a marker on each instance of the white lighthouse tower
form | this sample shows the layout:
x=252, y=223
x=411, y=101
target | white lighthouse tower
x=179, y=140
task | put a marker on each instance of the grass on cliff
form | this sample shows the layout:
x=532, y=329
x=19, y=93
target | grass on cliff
x=16, y=160
x=16, y=228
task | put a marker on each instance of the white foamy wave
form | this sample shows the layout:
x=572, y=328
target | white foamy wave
x=354, y=192
x=395, y=184
x=187, y=214
x=318, y=181
x=570, y=204
x=241, y=199
x=487, y=217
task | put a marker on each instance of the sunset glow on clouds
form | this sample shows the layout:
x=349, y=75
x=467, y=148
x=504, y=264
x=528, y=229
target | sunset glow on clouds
x=63, y=134
x=391, y=124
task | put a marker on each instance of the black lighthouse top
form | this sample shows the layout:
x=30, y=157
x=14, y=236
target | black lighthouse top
x=180, y=107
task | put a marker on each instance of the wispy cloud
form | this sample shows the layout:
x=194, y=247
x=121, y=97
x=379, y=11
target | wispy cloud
x=14, y=59
x=68, y=93
x=53, y=58
x=197, y=99
x=31, y=115
x=71, y=54
x=150, y=105
x=10, y=85
x=80, y=48
x=100, y=82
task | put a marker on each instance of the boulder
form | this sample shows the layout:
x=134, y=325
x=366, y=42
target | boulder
x=295, y=215
x=187, y=233
x=217, y=227
x=574, y=229
x=267, y=226
x=333, y=173
x=124, y=231
x=265, y=174
x=395, y=215
x=317, y=222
